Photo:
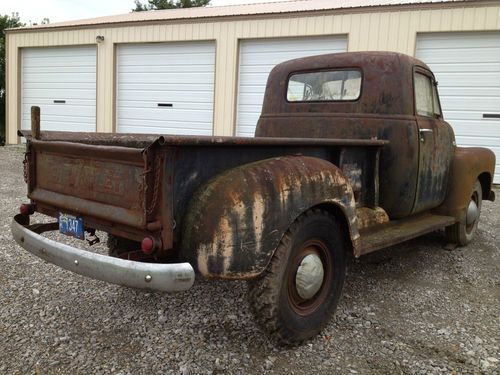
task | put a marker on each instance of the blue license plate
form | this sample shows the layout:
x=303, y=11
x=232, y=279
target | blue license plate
x=71, y=226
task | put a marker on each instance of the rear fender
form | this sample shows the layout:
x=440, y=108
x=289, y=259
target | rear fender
x=235, y=221
x=469, y=165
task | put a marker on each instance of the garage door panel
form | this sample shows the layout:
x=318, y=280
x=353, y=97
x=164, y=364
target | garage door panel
x=152, y=98
x=458, y=40
x=254, y=101
x=467, y=79
x=467, y=66
x=469, y=128
x=82, y=96
x=160, y=69
x=249, y=108
x=53, y=117
x=288, y=45
x=58, y=85
x=58, y=122
x=60, y=73
x=180, y=74
x=255, y=69
x=464, y=67
x=166, y=114
x=258, y=58
x=180, y=104
x=131, y=62
x=470, y=103
x=65, y=78
x=452, y=116
x=168, y=96
x=158, y=127
x=65, y=69
x=50, y=61
x=470, y=91
x=477, y=54
x=56, y=125
x=474, y=141
x=194, y=78
x=66, y=110
x=151, y=49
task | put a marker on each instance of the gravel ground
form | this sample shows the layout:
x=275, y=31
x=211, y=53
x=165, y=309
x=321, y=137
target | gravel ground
x=412, y=309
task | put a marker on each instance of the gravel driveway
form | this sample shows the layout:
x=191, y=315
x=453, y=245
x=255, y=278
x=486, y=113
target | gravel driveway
x=411, y=309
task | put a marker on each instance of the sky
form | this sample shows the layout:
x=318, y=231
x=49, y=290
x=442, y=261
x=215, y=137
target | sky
x=34, y=11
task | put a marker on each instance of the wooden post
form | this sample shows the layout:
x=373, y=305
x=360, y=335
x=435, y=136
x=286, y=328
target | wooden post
x=35, y=122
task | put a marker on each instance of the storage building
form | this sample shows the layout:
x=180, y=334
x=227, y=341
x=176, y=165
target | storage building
x=203, y=70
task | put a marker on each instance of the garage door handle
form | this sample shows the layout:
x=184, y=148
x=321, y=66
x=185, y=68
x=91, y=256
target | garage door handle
x=491, y=115
x=59, y=101
x=165, y=105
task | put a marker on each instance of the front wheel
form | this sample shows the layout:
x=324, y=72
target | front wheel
x=301, y=287
x=462, y=233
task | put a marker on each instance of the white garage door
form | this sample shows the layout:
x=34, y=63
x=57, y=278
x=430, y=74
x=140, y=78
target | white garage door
x=467, y=67
x=258, y=57
x=165, y=88
x=62, y=82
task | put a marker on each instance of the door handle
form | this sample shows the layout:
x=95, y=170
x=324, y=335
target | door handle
x=422, y=132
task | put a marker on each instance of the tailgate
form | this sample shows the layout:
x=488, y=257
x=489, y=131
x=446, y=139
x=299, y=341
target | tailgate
x=103, y=182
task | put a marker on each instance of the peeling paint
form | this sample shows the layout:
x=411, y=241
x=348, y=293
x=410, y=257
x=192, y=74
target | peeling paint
x=240, y=216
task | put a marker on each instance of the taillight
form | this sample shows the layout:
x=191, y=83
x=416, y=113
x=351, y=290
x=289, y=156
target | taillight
x=149, y=245
x=27, y=209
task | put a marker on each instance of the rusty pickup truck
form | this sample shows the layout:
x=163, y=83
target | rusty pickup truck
x=351, y=154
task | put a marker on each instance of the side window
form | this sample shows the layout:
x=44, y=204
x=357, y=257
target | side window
x=437, y=106
x=331, y=85
x=426, y=99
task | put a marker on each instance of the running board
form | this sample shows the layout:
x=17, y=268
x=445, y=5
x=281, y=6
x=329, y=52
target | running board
x=396, y=231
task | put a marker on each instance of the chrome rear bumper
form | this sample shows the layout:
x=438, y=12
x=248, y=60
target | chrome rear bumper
x=174, y=277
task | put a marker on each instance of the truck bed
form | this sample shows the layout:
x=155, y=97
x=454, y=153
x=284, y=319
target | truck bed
x=133, y=185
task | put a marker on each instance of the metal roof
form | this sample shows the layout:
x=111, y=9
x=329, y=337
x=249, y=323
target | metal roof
x=290, y=6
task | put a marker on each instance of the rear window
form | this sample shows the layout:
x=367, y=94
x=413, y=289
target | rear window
x=324, y=86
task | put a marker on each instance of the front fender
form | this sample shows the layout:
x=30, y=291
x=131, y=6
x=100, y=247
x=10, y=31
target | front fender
x=235, y=221
x=469, y=164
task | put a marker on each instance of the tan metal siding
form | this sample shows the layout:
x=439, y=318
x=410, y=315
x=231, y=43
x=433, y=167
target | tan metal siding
x=393, y=30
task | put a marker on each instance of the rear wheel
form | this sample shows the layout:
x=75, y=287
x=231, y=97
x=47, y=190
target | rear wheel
x=300, y=290
x=462, y=233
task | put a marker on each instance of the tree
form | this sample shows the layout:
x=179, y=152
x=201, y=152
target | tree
x=168, y=4
x=6, y=22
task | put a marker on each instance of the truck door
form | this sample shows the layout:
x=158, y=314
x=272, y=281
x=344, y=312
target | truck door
x=436, y=143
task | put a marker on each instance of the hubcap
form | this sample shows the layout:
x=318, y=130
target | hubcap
x=472, y=212
x=309, y=277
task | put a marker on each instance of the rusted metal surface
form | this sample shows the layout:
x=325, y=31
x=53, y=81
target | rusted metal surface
x=469, y=164
x=145, y=140
x=103, y=182
x=371, y=217
x=396, y=231
x=133, y=192
x=385, y=111
x=35, y=122
x=235, y=222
